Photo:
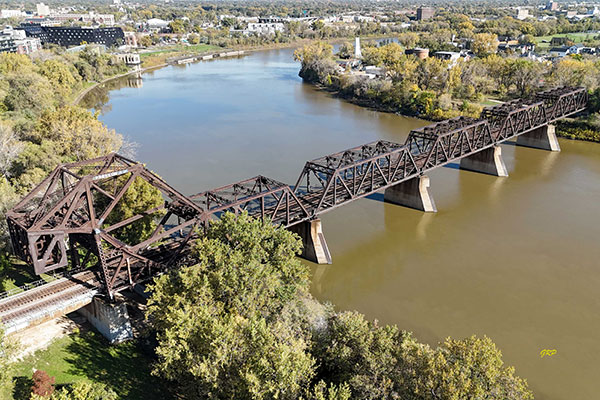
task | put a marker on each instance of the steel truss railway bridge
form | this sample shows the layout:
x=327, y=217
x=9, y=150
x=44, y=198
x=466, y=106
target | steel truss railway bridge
x=69, y=220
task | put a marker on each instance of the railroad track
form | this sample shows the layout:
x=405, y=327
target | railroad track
x=46, y=301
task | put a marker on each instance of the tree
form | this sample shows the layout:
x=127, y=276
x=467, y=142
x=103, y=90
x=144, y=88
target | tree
x=346, y=50
x=484, y=44
x=525, y=75
x=138, y=198
x=146, y=41
x=458, y=369
x=15, y=63
x=316, y=60
x=220, y=323
x=28, y=93
x=7, y=351
x=10, y=148
x=408, y=39
x=62, y=77
x=43, y=384
x=176, y=26
x=361, y=354
x=78, y=132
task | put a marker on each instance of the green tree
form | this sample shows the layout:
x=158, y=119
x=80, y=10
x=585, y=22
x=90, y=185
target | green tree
x=220, y=323
x=316, y=60
x=359, y=353
x=137, y=199
x=28, y=93
x=146, y=41
x=62, y=77
x=78, y=132
x=346, y=50
x=484, y=44
x=458, y=369
x=176, y=26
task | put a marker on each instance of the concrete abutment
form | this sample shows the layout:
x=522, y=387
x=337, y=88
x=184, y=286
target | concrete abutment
x=413, y=193
x=110, y=319
x=541, y=138
x=488, y=161
x=314, y=246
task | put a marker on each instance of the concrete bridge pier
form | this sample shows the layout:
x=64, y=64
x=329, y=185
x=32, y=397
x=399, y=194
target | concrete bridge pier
x=488, y=161
x=314, y=246
x=111, y=320
x=541, y=138
x=413, y=193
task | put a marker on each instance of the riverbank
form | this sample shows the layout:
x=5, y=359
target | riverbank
x=573, y=129
x=152, y=63
x=88, y=89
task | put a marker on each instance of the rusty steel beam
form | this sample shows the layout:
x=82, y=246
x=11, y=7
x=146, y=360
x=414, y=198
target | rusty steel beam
x=64, y=217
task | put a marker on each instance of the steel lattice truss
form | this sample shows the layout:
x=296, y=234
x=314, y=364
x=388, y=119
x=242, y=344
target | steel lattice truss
x=68, y=219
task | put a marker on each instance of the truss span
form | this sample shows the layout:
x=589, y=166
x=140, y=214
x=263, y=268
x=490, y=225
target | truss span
x=71, y=218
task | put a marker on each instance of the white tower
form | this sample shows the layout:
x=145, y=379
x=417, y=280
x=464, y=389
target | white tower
x=357, y=52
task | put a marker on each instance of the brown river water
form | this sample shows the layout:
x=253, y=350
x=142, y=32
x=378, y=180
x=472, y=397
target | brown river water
x=513, y=258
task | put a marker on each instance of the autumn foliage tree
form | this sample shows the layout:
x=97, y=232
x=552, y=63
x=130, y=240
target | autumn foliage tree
x=43, y=384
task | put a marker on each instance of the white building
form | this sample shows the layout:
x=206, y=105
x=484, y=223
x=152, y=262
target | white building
x=42, y=9
x=11, y=14
x=28, y=45
x=20, y=42
x=265, y=28
x=522, y=13
x=157, y=24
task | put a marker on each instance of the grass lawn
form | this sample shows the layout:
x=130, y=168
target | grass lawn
x=88, y=356
x=196, y=48
x=160, y=55
x=576, y=37
x=15, y=273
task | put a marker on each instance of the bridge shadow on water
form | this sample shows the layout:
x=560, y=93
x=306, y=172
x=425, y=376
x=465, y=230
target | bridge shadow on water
x=376, y=197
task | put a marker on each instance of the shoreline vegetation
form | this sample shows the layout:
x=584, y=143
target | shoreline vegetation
x=435, y=90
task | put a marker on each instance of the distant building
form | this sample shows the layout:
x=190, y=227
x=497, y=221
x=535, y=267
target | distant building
x=16, y=41
x=270, y=20
x=42, y=9
x=522, y=13
x=73, y=36
x=265, y=28
x=90, y=18
x=130, y=39
x=424, y=13
x=129, y=59
x=11, y=13
x=418, y=52
x=516, y=47
x=559, y=41
x=28, y=45
x=7, y=44
x=42, y=21
x=157, y=24
x=552, y=6
x=451, y=56
x=564, y=51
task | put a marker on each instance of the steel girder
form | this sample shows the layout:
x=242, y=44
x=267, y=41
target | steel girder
x=64, y=217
